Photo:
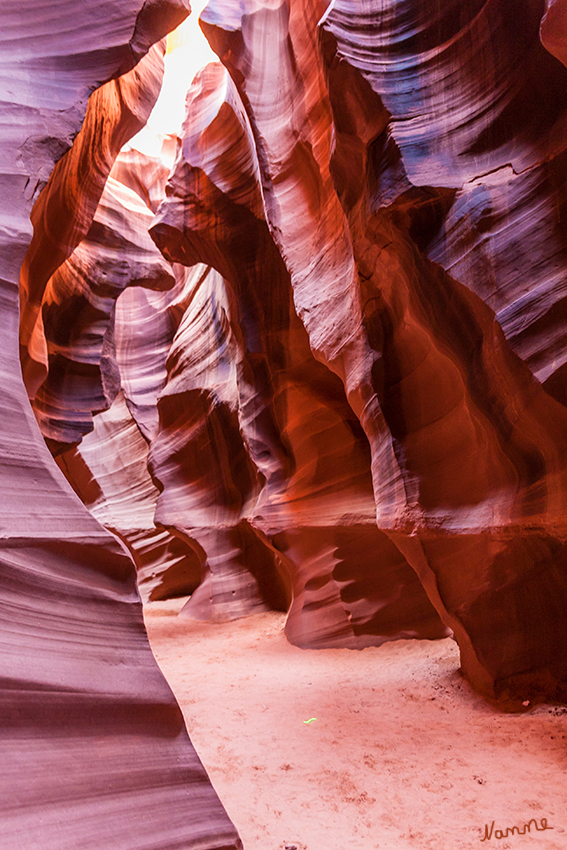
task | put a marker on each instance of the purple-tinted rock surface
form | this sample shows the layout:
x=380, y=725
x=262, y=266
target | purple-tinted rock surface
x=317, y=365
x=94, y=749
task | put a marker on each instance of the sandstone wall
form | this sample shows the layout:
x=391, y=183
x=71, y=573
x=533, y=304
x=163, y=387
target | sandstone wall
x=94, y=749
x=335, y=384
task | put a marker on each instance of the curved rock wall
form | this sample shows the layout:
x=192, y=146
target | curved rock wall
x=486, y=120
x=94, y=750
x=339, y=388
x=361, y=186
x=314, y=503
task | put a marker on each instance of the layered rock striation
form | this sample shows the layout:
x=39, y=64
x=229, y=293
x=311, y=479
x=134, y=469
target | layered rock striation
x=94, y=749
x=313, y=496
x=312, y=359
x=360, y=187
x=363, y=187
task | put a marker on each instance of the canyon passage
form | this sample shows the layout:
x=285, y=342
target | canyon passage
x=283, y=366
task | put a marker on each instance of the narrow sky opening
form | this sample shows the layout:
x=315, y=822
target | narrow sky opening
x=187, y=52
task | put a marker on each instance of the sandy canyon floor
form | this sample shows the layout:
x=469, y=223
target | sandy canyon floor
x=401, y=755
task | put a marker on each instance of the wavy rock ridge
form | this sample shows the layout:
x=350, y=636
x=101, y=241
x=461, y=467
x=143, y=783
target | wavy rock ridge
x=94, y=749
x=338, y=386
x=361, y=190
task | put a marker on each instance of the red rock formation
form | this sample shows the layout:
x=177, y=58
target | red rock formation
x=109, y=472
x=94, y=750
x=243, y=347
x=177, y=360
x=85, y=325
x=78, y=309
x=487, y=120
x=467, y=449
x=552, y=29
x=220, y=380
x=332, y=398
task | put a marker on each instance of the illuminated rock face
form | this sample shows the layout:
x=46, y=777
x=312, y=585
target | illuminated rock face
x=374, y=163
x=324, y=391
x=94, y=750
x=313, y=501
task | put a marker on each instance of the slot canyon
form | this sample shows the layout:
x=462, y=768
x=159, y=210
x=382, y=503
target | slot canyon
x=283, y=362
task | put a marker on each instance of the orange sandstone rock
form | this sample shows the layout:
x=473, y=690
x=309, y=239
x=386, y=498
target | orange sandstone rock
x=94, y=749
x=464, y=441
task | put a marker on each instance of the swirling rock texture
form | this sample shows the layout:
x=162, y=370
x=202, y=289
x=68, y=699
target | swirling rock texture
x=340, y=388
x=84, y=333
x=206, y=371
x=388, y=137
x=94, y=750
x=308, y=491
